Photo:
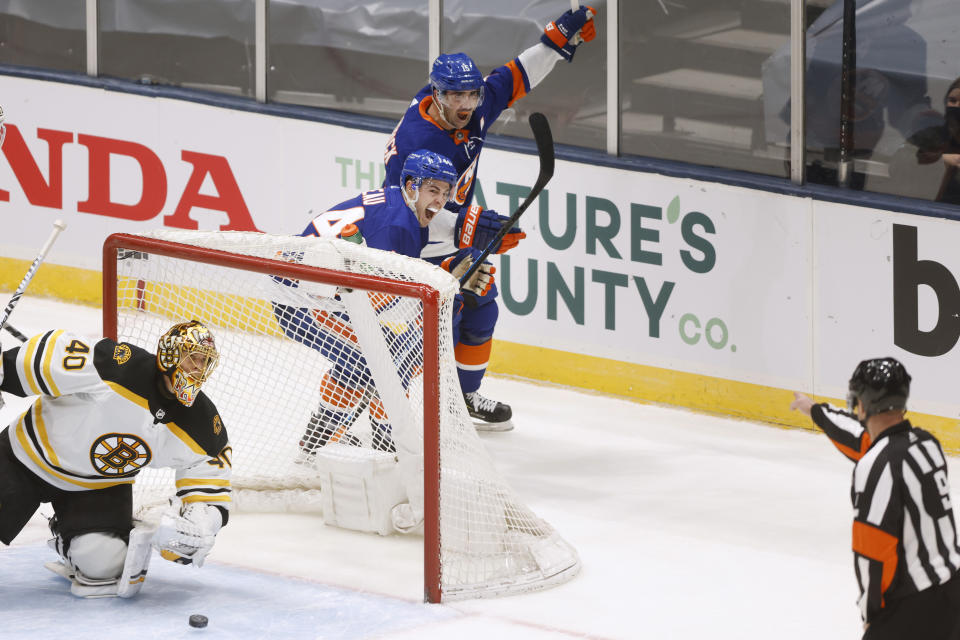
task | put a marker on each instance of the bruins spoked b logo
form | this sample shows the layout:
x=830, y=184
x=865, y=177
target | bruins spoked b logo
x=117, y=455
x=122, y=353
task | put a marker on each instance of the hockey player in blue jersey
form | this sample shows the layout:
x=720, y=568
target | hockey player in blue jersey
x=392, y=219
x=451, y=116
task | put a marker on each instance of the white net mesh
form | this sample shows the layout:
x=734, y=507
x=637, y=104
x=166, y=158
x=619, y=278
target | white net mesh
x=304, y=365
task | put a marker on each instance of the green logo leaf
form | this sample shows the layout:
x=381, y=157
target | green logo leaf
x=673, y=210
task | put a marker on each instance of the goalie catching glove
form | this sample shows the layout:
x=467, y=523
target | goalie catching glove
x=481, y=280
x=477, y=227
x=187, y=537
x=569, y=30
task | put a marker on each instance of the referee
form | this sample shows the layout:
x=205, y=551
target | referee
x=905, y=549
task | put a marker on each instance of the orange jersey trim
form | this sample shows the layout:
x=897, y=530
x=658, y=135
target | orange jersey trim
x=459, y=136
x=853, y=454
x=519, y=90
x=878, y=545
x=424, y=107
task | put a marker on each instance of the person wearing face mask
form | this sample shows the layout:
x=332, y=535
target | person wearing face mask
x=942, y=144
x=391, y=219
x=452, y=115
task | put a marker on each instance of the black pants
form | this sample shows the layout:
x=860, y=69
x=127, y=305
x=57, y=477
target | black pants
x=108, y=510
x=932, y=614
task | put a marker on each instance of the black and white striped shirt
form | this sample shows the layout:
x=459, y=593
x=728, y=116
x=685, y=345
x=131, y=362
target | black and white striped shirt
x=904, y=534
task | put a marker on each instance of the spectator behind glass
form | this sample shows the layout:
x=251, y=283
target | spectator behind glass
x=942, y=143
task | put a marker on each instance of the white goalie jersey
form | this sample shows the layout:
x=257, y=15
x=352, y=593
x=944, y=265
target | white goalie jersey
x=101, y=417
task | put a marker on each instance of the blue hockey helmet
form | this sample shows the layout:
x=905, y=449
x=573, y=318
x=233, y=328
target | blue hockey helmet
x=456, y=72
x=423, y=163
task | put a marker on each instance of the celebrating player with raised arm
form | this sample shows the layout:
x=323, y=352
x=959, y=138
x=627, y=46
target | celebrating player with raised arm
x=392, y=219
x=107, y=410
x=904, y=533
x=451, y=116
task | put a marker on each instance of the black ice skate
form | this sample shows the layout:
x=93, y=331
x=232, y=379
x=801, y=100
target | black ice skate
x=487, y=414
x=382, y=436
x=318, y=434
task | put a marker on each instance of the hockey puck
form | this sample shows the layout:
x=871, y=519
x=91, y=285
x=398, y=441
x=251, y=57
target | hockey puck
x=197, y=620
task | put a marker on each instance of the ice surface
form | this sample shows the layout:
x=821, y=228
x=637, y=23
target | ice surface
x=688, y=526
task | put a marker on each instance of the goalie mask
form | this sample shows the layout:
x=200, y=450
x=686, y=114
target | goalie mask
x=187, y=355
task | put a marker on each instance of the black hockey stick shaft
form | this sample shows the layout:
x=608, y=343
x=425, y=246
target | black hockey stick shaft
x=848, y=91
x=544, y=140
x=58, y=226
x=16, y=334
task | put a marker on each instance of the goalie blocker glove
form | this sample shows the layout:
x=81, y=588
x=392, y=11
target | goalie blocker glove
x=476, y=227
x=569, y=30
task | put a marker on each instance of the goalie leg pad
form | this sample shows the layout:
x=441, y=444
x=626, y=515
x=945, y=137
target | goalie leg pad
x=93, y=563
x=138, y=559
x=82, y=586
x=97, y=556
x=359, y=488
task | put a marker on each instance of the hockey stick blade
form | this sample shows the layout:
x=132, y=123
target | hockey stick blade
x=58, y=226
x=544, y=140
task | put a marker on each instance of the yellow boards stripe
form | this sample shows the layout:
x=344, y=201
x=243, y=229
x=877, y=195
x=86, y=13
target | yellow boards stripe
x=175, y=301
x=694, y=391
x=47, y=357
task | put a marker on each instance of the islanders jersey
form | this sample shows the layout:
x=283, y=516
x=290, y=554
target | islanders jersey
x=383, y=218
x=101, y=418
x=418, y=130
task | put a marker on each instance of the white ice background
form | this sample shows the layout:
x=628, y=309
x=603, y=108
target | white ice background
x=688, y=526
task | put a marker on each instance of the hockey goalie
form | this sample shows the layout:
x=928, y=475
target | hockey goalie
x=106, y=410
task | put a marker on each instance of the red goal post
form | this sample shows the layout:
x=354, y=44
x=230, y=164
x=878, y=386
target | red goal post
x=494, y=544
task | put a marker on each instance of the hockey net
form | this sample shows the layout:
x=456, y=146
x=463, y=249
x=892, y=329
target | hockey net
x=293, y=317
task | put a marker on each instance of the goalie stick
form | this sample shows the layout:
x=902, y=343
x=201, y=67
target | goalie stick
x=58, y=226
x=544, y=140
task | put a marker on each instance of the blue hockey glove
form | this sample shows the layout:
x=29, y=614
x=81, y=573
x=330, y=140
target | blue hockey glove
x=481, y=280
x=476, y=227
x=569, y=30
